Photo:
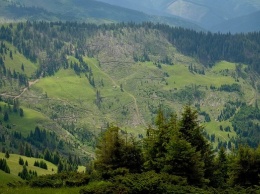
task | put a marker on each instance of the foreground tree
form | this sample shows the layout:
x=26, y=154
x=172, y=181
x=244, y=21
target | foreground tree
x=220, y=176
x=183, y=160
x=179, y=148
x=115, y=152
x=245, y=167
x=191, y=130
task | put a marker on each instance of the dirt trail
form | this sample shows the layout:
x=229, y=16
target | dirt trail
x=131, y=95
x=23, y=91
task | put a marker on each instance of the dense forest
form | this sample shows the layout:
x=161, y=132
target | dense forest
x=32, y=38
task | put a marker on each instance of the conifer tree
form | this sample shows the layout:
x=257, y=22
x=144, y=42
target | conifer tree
x=7, y=155
x=220, y=176
x=191, y=131
x=183, y=160
x=114, y=152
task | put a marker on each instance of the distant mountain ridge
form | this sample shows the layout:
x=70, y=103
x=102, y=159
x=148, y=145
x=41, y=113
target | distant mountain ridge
x=81, y=11
x=243, y=24
x=208, y=14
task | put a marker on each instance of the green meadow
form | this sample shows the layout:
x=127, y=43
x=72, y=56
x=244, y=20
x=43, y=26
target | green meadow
x=15, y=168
x=15, y=63
x=24, y=124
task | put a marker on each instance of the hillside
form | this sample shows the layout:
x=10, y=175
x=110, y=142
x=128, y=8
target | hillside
x=243, y=24
x=80, y=11
x=205, y=13
x=74, y=80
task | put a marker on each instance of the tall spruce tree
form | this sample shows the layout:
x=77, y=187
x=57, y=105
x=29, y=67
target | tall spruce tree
x=157, y=140
x=220, y=176
x=191, y=131
x=114, y=152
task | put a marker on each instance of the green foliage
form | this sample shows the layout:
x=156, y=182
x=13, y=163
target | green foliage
x=147, y=182
x=4, y=166
x=183, y=160
x=7, y=155
x=245, y=167
x=114, y=152
x=21, y=161
x=41, y=164
x=68, y=179
x=220, y=175
x=179, y=148
x=27, y=175
x=230, y=88
x=6, y=117
x=245, y=125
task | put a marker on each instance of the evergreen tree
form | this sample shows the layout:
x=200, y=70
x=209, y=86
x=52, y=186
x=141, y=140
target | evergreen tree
x=6, y=116
x=21, y=161
x=109, y=150
x=191, y=131
x=24, y=174
x=7, y=155
x=183, y=160
x=157, y=140
x=3, y=166
x=114, y=152
x=245, y=167
x=220, y=176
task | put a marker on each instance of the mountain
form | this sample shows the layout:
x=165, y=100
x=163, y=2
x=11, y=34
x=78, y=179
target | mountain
x=73, y=80
x=204, y=13
x=81, y=11
x=244, y=24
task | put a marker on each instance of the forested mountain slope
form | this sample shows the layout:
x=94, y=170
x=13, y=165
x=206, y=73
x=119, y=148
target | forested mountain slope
x=244, y=24
x=208, y=14
x=62, y=85
x=74, y=80
x=80, y=11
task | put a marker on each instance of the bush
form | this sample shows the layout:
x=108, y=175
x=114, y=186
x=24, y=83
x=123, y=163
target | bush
x=59, y=180
x=104, y=187
x=148, y=182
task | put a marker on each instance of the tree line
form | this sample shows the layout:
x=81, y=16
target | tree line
x=176, y=147
x=58, y=39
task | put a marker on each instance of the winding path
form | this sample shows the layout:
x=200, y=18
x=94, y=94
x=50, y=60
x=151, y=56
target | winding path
x=23, y=91
x=131, y=95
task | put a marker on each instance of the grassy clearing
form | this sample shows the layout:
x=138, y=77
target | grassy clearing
x=180, y=77
x=24, y=124
x=18, y=60
x=66, y=85
x=15, y=168
x=7, y=178
x=223, y=65
x=76, y=90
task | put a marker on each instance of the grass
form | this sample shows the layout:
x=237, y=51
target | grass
x=180, y=76
x=7, y=178
x=76, y=90
x=66, y=86
x=144, y=86
x=28, y=190
x=141, y=82
x=15, y=168
x=223, y=65
x=18, y=60
x=24, y=124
